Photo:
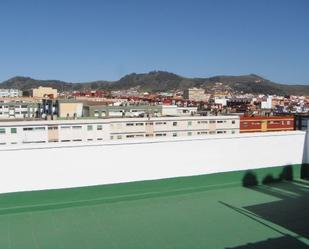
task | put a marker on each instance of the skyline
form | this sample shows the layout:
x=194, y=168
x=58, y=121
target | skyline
x=78, y=41
x=115, y=80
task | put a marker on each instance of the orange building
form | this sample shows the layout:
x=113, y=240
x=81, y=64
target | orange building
x=265, y=123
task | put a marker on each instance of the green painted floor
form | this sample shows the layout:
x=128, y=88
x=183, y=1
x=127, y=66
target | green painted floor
x=230, y=216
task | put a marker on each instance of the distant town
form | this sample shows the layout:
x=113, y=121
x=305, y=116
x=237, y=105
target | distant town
x=95, y=115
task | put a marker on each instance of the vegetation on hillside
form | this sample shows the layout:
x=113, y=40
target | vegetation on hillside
x=158, y=81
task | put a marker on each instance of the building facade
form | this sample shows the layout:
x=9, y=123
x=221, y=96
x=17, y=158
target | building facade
x=43, y=92
x=266, y=123
x=195, y=94
x=10, y=93
x=25, y=132
x=105, y=111
x=18, y=110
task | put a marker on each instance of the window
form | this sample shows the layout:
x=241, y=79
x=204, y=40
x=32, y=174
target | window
x=212, y=121
x=99, y=139
x=174, y=134
x=119, y=137
x=34, y=128
x=77, y=140
x=233, y=121
x=89, y=127
x=112, y=137
x=39, y=128
x=99, y=127
x=160, y=123
x=202, y=133
x=79, y=127
x=160, y=134
x=130, y=136
x=288, y=122
x=149, y=135
x=189, y=123
x=174, y=123
x=53, y=128
x=2, y=130
x=202, y=122
x=129, y=124
x=274, y=122
x=139, y=124
x=221, y=132
x=189, y=133
x=53, y=140
x=65, y=127
x=233, y=132
x=149, y=123
x=13, y=130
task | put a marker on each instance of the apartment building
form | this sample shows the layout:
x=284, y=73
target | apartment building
x=174, y=110
x=25, y=132
x=195, y=94
x=105, y=111
x=43, y=92
x=10, y=93
x=266, y=123
x=67, y=108
x=17, y=110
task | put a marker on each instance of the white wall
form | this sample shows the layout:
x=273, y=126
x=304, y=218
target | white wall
x=124, y=161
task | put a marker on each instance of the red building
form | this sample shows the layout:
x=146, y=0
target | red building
x=266, y=123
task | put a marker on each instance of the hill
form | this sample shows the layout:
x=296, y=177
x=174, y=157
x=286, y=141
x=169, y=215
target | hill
x=157, y=81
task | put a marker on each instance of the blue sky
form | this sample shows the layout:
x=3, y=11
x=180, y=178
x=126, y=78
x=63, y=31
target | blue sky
x=85, y=40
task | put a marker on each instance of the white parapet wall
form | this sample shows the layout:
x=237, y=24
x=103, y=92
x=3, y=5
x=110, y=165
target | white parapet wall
x=28, y=168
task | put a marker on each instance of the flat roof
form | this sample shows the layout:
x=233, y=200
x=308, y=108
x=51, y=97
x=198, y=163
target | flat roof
x=174, y=213
x=112, y=119
x=254, y=118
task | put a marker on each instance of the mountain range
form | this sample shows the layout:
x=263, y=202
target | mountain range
x=158, y=81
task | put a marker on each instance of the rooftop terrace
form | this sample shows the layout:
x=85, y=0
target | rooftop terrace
x=190, y=212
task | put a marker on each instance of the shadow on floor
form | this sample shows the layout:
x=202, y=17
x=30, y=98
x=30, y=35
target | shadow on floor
x=290, y=211
x=250, y=178
x=285, y=242
x=304, y=171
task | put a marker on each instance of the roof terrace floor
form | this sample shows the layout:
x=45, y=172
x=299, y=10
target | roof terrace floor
x=139, y=216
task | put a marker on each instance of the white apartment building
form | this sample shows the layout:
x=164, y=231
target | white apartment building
x=10, y=93
x=267, y=104
x=17, y=110
x=61, y=131
x=174, y=110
